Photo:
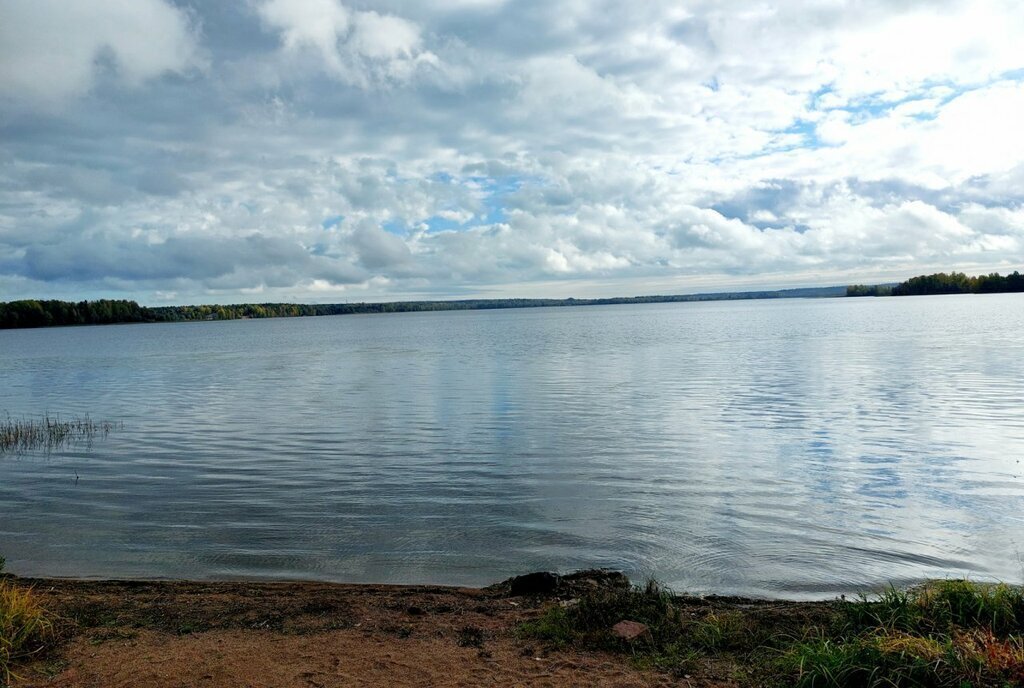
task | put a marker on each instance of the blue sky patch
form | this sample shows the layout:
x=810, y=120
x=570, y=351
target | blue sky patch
x=332, y=221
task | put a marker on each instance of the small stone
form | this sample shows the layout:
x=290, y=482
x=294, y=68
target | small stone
x=629, y=630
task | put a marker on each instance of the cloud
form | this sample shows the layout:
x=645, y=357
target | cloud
x=52, y=50
x=356, y=46
x=315, y=149
x=378, y=249
x=216, y=262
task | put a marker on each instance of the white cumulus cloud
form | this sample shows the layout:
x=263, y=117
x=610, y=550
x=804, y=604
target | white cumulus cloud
x=51, y=50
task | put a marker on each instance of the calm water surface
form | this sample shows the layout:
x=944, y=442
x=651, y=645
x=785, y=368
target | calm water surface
x=796, y=448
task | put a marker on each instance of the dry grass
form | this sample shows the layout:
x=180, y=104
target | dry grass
x=24, y=626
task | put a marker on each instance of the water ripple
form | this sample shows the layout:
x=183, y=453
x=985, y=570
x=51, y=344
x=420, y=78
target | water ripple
x=797, y=448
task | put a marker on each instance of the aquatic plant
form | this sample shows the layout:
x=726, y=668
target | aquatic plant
x=24, y=434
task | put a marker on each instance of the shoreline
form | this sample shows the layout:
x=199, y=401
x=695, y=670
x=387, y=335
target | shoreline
x=256, y=581
x=302, y=585
x=796, y=595
x=159, y=633
x=588, y=628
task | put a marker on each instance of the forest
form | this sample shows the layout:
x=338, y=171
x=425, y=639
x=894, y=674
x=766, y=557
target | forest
x=944, y=283
x=51, y=313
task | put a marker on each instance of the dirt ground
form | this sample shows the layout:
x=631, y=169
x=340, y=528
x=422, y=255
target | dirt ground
x=282, y=635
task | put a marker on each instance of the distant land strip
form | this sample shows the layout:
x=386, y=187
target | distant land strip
x=944, y=283
x=39, y=313
x=52, y=313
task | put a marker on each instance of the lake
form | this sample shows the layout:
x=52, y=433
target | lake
x=786, y=448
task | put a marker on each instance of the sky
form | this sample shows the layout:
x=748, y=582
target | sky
x=190, y=151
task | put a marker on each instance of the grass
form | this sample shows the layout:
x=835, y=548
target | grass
x=24, y=434
x=717, y=631
x=673, y=643
x=886, y=660
x=24, y=626
x=953, y=633
x=939, y=607
x=947, y=634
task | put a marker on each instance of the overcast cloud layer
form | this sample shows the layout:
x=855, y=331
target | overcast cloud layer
x=326, y=151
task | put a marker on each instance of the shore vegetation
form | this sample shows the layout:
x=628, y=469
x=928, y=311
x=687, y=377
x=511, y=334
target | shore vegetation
x=584, y=628
x=946, y=634
x=25, y=626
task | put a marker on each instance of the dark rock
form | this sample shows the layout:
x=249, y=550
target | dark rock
x=543, y=583
x=580, y=581
x=539, y=583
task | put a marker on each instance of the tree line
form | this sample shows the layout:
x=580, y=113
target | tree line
x=33, y=313
x=944, y=283
x=51, y=313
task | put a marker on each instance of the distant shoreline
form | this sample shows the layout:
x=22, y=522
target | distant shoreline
x=32, y=313
x=52, y=313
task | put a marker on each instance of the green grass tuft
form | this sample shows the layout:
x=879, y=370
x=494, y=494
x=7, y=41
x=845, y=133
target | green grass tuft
x=865, y=662
x=940, y=607
x=963, y=604
x=727, y=630
x=553, y=627
x=950, y=633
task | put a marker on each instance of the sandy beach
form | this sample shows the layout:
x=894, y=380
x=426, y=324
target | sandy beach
x=171, y=633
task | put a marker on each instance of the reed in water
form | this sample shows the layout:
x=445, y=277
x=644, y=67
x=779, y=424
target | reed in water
x=49, y=432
